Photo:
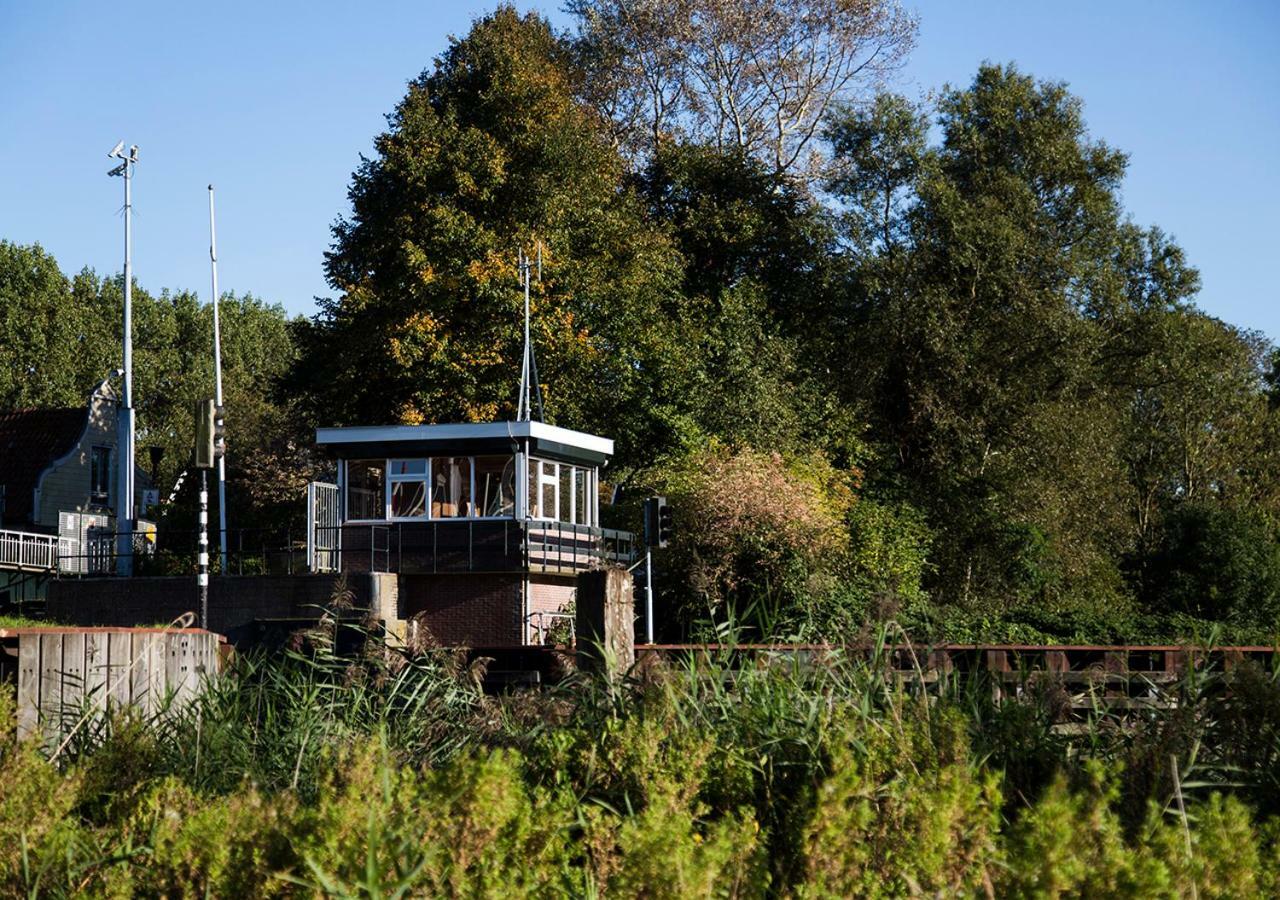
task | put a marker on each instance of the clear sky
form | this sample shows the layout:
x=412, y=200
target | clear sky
x=274, y=102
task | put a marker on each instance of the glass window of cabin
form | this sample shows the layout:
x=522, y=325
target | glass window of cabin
x=408, y=484
x=531, y=506
x=581, y=496
x=566, y=493
x=450, y=487
x=365, y=491
x=495, y=486
x=548, y=490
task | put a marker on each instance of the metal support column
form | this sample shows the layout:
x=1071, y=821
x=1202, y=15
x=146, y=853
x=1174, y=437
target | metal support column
x=202, y=577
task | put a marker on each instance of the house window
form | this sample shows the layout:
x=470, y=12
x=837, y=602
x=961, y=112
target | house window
x=443, y=487
x=548, y=490
x=451, y=487
x=408, y=485
x=365, y=496
x=100, y=475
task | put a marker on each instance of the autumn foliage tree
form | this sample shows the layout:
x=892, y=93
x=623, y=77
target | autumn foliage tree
x=489, y=153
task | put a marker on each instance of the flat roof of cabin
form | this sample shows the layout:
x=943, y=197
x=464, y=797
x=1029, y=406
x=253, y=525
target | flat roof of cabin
x=458, y=439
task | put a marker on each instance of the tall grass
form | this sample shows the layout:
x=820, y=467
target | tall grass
x=387, y=773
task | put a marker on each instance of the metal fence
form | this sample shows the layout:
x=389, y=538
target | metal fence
x=497, y=545
x=250, y=551
x=25, y=550
x=475, y=545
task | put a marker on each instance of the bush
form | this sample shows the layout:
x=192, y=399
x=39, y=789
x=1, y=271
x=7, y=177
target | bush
x=881, y=829
x=757, y=536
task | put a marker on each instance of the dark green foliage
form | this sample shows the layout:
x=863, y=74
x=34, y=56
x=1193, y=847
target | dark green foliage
x=1217, y=562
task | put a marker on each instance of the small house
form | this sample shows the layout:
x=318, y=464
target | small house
x=57, y=478
x=485, y=526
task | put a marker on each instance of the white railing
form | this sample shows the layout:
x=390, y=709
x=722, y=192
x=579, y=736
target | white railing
x=26, y=550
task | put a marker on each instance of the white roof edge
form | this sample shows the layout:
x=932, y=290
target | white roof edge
x=360, y=434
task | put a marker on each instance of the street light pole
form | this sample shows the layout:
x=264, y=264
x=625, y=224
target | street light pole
x=124, y=419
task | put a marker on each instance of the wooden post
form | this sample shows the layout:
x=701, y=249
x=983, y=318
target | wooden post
x=605, y=621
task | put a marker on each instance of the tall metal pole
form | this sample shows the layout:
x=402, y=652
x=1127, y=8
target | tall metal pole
x=124, y=421
x=648, y=596
x=202, y=574
x=217, y=390
x=524, y=410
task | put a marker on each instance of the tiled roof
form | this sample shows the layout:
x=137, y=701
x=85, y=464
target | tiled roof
x=30, y=439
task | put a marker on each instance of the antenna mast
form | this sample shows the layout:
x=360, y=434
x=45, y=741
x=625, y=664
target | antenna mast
x=125, y=508
x=217, y=389
x=530, y=389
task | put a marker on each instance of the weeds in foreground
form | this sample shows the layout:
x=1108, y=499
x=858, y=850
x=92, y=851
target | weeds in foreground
x=390, y=774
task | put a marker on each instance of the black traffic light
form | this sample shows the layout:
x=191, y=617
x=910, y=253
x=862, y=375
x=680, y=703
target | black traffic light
x=657, y=522
x=219, y=432
x=211, y=437
x=664, y=523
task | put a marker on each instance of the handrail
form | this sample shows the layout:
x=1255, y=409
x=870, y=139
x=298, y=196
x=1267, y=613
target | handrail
x=28, y=550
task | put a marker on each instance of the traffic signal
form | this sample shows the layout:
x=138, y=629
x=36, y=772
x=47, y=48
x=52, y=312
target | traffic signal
x=206, y=448
x=219, y=433
x=664, y=523
x=657, y=522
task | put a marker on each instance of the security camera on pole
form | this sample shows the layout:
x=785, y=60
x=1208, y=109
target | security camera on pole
x=124, y=421
x=209, y=446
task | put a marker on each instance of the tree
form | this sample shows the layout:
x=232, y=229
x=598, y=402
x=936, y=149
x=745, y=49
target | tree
x=877, y=157
x=488, y=153
x=1218, y=562
x=978, y=346
x=55, y=349
x=63, y=337
x=758, y=270
x=756, y=77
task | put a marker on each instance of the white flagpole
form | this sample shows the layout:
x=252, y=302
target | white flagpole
x=217, y=389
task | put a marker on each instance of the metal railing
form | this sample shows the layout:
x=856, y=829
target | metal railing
x=250, y=551
x=472, y=545
x=497, y=545
x=27, y=550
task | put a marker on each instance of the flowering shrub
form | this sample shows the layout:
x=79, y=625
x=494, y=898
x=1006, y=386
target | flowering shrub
x=755, y=531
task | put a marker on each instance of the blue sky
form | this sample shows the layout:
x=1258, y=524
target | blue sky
x=274, y=102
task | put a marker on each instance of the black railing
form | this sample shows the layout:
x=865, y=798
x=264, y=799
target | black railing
x=477, y=545
x=250, y=551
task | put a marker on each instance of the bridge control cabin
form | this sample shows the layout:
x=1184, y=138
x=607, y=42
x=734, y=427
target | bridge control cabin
x=486, y=525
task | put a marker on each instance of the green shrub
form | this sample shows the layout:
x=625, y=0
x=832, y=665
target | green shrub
x=882, y=829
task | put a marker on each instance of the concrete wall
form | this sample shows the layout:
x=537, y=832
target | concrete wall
x=64, y=486
x=235, y=601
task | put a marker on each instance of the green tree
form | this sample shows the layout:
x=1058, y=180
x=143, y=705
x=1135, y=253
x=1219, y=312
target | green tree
x=1217, y=562
x=758, y=267
x=55, y=349
x=980, y=347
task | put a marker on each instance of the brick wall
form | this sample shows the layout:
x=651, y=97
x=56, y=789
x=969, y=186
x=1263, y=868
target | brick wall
x=235, y=601
x=467, y=610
